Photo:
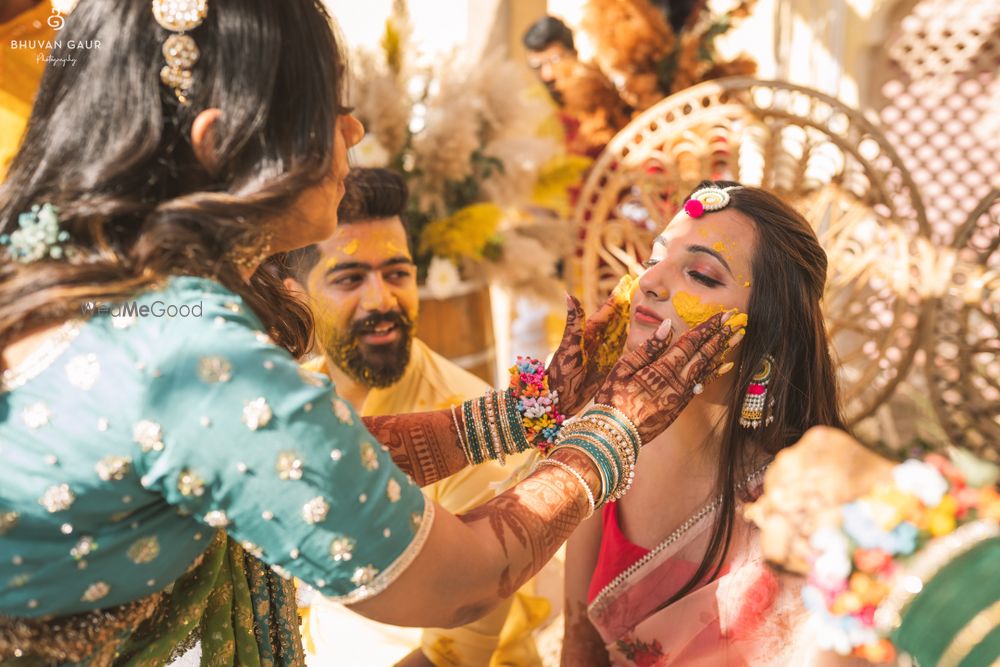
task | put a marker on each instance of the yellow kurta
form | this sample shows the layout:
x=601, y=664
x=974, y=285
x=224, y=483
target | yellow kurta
x=20, y=71
x=340, y=637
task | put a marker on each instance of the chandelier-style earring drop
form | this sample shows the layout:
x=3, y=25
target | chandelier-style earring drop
x=180, y=50
x=755, y=403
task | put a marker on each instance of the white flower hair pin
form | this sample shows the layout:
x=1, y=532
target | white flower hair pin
x=38, y=236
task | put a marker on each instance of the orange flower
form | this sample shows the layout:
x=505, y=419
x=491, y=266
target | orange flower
x=879, y=652
x=847, y=602
x=989, y=504
x=872, y=560
x=869, y=591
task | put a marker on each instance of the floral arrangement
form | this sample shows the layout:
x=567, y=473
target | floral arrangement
x=489, y=194
x=647, y=59
x=854, y=591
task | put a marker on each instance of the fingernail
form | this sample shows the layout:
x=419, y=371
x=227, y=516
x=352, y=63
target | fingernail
x=725, y=368
x=569, y=300
x=663, y=330
x=737, y=337
x=737, y=320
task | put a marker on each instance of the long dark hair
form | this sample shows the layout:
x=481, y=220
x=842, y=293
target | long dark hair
x=786, y=321
x=109, y=145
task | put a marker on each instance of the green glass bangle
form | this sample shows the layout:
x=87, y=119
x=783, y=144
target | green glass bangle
x=599, y=457
x=516, y=423
x=609, y=451
x=470, y=433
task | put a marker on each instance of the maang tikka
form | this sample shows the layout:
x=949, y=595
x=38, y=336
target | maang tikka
x=756, y=403
x=180, y=50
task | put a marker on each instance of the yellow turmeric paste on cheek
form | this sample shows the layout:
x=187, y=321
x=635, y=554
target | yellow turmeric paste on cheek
x=692, y=310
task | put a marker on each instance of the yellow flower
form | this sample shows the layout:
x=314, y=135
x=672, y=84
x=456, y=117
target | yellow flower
x=889, y=506
x=462, y=234
x=868, y=590
x=847, y=602
x=555, y=178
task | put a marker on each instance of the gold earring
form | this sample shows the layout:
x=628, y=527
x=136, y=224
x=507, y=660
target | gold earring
x=180, y=50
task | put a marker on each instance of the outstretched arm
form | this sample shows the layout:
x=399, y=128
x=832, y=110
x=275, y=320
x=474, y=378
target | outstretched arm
x=425, y=444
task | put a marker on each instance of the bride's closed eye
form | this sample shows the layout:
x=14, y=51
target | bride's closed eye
x=703, y=279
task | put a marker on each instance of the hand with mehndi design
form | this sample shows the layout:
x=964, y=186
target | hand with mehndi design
x=654, y=382
x=804, y=488
x=590, y=347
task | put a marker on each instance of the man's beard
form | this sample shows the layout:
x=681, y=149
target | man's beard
x=377, y=366
x=554, y=92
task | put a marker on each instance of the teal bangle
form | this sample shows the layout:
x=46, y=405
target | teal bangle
x=600, y=457
x=516, y=422
x=470, y=433
x=609, y=450
x=596, y=460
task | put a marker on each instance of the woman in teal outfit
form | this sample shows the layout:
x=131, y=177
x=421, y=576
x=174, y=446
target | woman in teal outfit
x=167, y=466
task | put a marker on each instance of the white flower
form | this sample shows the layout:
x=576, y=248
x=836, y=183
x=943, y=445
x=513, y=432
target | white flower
x=370, y=153
x=833, y=561
x=922, y=480
x=443, y=280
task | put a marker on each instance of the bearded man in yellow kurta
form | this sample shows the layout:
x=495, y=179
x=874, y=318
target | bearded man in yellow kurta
x=24, y=35
x=361, y=286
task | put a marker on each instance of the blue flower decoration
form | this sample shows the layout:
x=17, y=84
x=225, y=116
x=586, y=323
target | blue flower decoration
x=861, y=527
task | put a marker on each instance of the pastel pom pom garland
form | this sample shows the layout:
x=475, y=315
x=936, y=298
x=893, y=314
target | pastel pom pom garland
x=863, y=571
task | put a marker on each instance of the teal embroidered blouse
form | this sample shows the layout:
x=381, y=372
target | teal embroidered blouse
x=133, y=435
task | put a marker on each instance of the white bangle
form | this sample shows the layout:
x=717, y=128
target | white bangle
x=569, y=469
x=458, y=432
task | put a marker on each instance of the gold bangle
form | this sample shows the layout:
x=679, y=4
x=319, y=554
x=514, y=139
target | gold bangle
x=461, y=441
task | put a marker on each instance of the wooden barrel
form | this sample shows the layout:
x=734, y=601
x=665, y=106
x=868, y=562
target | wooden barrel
x=460, y=328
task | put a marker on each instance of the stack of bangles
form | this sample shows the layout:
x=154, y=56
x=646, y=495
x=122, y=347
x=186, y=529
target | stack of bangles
x=526, y=416
x=913, y=568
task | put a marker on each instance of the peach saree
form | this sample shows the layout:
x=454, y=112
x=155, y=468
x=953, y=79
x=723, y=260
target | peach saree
x=747, y=615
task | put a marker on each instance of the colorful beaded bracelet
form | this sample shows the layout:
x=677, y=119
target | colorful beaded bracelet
x=862, y=576
x=535, y=402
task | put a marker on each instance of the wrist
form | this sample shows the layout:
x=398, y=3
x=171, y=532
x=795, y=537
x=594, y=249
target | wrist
x=583, y=465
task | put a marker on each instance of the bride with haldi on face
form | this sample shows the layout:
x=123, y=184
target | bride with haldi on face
x=671, y=574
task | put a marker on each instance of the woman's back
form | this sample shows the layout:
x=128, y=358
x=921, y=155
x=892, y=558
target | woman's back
x=135, y=436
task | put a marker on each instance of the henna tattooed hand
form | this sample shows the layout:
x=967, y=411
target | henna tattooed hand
x=654, y=382
x=804, y=488
x=589, y=347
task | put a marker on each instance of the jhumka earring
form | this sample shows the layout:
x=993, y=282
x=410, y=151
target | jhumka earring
x=755, y=403
x=180, y=50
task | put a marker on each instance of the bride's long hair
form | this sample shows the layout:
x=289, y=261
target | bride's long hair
x=785, y=321
x=109, y=145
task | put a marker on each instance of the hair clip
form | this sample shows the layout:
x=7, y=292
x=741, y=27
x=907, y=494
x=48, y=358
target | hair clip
x=708, y=199
x=180, y=50
x=38, y=236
